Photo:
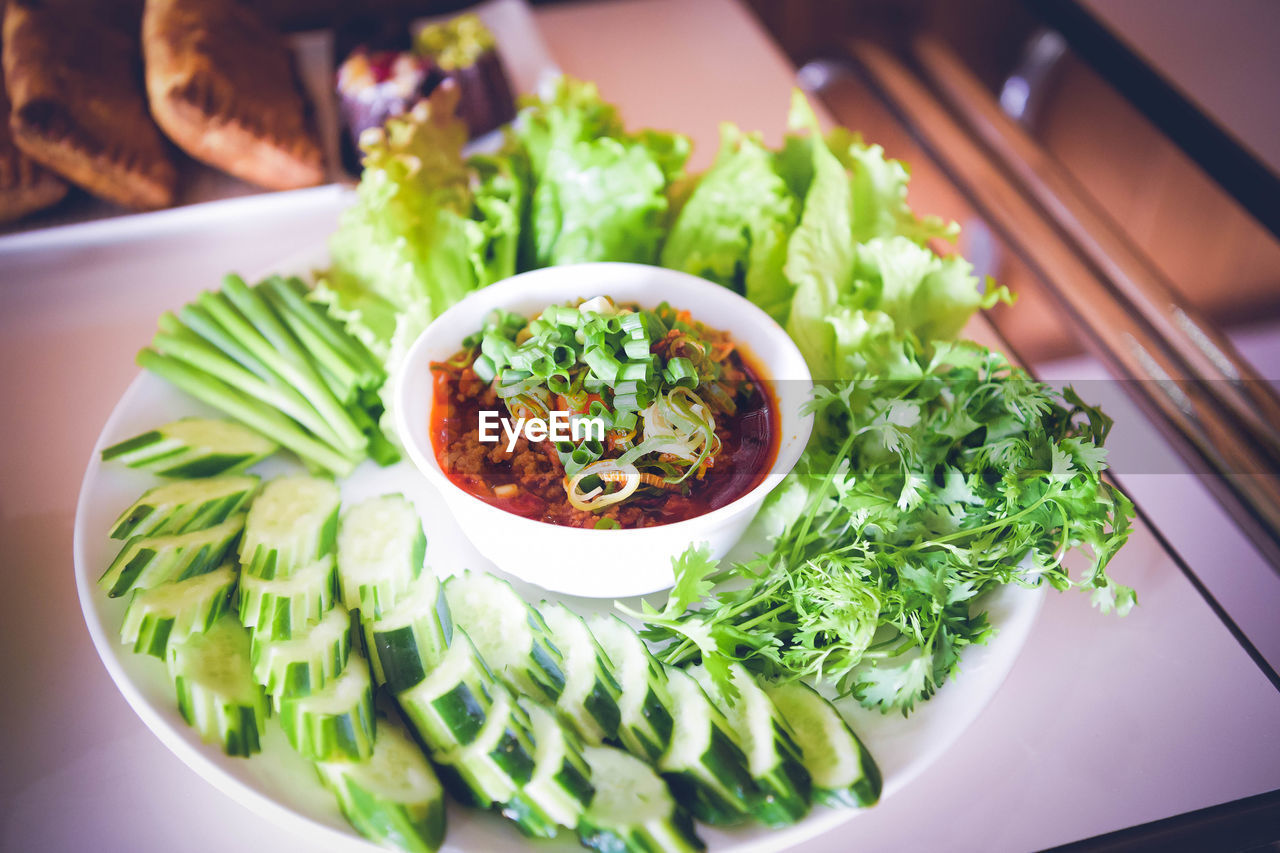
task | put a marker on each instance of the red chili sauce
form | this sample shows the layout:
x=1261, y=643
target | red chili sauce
x=529, y=480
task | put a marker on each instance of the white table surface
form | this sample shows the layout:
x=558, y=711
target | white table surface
x=1104, y=722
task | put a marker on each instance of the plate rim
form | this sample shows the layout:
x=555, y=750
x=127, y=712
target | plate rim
x=198, y=756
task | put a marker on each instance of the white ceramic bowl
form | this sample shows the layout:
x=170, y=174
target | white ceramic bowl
x=603, y=563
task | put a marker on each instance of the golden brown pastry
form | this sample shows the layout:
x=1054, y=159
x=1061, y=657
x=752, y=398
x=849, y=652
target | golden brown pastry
x=78, y=108
x=25, y=186
x=222, y=86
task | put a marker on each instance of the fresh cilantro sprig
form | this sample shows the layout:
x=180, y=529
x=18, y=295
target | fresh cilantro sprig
x=918, y=495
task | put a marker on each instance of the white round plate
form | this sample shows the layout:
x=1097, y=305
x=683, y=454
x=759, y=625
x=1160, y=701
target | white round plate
x=279, y=785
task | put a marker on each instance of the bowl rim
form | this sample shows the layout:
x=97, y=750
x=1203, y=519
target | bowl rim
x=428, y=465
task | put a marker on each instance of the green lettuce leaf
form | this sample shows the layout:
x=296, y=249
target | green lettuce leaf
x=733, y=229
x=408, y=244
x=599, y=194
x=879, y=193
x=427, y=228
x=601, y=200
x=861, y=271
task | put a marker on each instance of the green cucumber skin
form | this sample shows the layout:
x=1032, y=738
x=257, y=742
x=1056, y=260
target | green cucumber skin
x=468, y=787
x=603, y=708
x=394, y=657
x=241, y=730
x=783, y=795
x=210, y=465
x=123, y=448
x=299, y=678
x=411, y=830
x=265, y=563
x=143, y=519
x=401, y=658
x=493, y=778
x=676, y=835
x=546, y=673
x=866, y=788
x=154, y=632
x=148, y=567
x=862, y=793
x=636, y=739
x=718, y=788
x=529, y=818
x=575, y=779
x=514, y=754
x=453, y=719
x=153, y=637
x=330, y=737
x=275, y=617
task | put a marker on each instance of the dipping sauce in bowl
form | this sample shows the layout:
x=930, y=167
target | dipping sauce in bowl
x=712, y=432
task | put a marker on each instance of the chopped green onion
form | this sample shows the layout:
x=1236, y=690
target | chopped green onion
x=636, y=349
x=559, y=383
x=483, y=366
x=639, y=371
x=603, y=364
x=680, y=372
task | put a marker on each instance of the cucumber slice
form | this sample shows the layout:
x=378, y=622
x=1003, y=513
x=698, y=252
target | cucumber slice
x=393, y=798
x=380, y=549
x=290, y=525
x=278, y=608
x=782, y=785
x=632, y=809
x=561, y=783
x=451, y=705
x=193, y=447
x=704, y=767
x=147, y=561
x=494, y=766
x=303, y=664
x=844, y=774
x=509, y=634
x=335, y=722
x=184, y=505
x=217, y=694
x=406, y=642
x=644, y=704
x=590, y=696
x=173, y=612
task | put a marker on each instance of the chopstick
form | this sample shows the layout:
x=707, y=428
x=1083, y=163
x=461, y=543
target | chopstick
x=1193, y=338
x=1186, y=387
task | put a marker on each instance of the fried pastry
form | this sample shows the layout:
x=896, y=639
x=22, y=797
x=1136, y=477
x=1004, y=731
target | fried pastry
x=25, y=186
x=222, y=86
x=77, y=106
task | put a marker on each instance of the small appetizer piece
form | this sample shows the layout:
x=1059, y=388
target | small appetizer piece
x=375, y=85
x=222, y=86
x=71, y=77
x=463, y=49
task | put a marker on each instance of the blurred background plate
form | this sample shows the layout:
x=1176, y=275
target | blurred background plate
x=207, y=196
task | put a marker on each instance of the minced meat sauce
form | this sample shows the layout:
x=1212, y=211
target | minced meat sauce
x=529, y=480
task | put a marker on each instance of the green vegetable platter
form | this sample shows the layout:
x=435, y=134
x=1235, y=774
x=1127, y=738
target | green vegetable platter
x=289, y=606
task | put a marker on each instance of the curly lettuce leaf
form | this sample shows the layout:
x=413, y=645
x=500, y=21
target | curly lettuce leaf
x=408, y=243
x=861, y=271
x=879, y=193
x=599, y=194
x=601, y=200
x=573, y=112
x=733, y=229
x=427, y=228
